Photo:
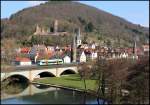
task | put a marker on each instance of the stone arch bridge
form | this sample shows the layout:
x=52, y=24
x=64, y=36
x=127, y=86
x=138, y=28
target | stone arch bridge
x=31, y=74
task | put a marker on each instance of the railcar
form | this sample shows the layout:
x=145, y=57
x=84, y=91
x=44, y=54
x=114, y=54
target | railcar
x=50, y=62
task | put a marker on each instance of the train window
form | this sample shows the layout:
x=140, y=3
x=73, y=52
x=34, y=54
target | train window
x=51, y=62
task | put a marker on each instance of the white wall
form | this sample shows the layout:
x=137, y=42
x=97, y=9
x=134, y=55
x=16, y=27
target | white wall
x=67, y=59
x=93, y=55
x=83, y=57
x=25, y=63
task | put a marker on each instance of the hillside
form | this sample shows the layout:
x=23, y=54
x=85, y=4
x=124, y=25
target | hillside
x=96, y=23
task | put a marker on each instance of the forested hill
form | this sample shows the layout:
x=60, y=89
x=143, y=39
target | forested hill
x=71, y=15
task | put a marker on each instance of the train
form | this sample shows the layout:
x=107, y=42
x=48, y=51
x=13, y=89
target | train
x=49, y=62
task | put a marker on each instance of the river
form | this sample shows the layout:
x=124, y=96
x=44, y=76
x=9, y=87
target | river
x=42, y=94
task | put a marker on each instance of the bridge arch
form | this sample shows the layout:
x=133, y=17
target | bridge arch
x=67, y=71
x=16, y=77
x=15, y=84
x=42, y=74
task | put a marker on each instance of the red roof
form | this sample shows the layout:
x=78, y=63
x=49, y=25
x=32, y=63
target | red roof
x=25, y=50
x=22, y=59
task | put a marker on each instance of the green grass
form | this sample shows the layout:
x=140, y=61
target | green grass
x=72, y=81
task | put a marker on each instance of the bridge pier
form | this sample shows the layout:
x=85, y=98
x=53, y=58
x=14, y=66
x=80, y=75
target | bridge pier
x=30, y=90
x=57, y=75
x=30, y=76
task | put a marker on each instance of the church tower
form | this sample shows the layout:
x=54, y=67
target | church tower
x=78, y=37
x=74, y=48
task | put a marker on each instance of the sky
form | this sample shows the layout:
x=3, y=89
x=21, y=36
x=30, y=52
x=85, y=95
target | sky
x=136, y=12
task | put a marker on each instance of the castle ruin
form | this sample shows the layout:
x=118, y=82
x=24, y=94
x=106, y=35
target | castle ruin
x=46, y=31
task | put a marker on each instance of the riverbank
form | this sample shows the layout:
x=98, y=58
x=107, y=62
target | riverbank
x=72, y=82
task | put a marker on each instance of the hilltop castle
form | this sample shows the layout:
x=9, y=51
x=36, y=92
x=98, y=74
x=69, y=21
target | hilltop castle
x=46, y=31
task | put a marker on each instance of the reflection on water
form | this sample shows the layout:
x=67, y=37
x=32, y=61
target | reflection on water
x=14, y=85
x=15, y=88
x=41, y=86
x=41, y=94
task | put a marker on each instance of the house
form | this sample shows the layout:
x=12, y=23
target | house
x=25, y=50
x=146, y=49
x=82, y=57
x=50, y=48
x=40, y=49
x=140, y=51
x=23, y=61
x=93, y=46
x=66, y=59
x=124, y=55
x=18, y=50
x=130, y=51
x=3, y=54
x=134, y=57
x=84, y=46
x=113, y=56
x=94, y=55
x=57, y=48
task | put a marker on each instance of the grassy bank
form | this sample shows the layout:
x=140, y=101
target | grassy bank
x=72, y=81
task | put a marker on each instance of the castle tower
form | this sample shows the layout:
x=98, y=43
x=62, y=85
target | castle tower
x=38, y=30
x=56, y=26
x=44, y=32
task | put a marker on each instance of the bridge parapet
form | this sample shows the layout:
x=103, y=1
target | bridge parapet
x=30, y=74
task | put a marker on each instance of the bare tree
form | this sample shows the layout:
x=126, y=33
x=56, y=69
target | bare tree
x=115, y=76
x=138, y=82
x=85, y=73
x=9, y=46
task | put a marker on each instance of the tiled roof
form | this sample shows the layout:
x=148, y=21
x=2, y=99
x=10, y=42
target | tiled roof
x=22, y=59
x=25, y=50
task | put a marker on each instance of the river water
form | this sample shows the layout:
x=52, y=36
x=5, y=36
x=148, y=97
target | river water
x=42, y=94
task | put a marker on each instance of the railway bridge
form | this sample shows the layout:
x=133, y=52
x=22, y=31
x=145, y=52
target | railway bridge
x=33, y=72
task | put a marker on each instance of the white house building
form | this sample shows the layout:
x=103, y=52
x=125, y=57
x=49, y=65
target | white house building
x=23, y=61
x=93, y=46
x=84, y=46
x=93, y=55
x=113, y=56
x=67, y=59
x=83, y=57
x=124, y=55
x=50, y=48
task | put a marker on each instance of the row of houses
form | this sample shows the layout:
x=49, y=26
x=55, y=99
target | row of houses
x=85, y=53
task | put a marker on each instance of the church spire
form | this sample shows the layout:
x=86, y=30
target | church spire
x=78, y=37
x=74, y=48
